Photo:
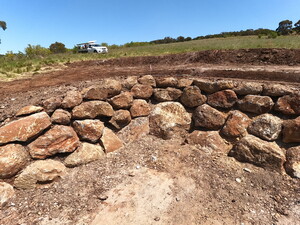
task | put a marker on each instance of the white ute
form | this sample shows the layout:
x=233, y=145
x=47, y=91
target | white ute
x=91, y=47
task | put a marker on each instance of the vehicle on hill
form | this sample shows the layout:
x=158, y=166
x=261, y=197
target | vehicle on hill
x=91, y=47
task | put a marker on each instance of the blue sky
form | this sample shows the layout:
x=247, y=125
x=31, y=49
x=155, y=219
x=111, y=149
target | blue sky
x=119, y=21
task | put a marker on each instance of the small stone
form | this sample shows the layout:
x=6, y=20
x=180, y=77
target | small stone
x=103, y=197
x=61, y=116
x=142, y=91
x=167, y=94
x=121, y=101
x=238, y=180
x=110, y=141
x=147, y=80
x=139, y=108
x=72, y=99
x=120, y=119
x=247, y=170
x=30, y=109
x=157, y=218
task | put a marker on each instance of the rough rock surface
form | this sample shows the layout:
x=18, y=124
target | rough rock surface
x=110, y=141
x=236, y=125
x=142, y=91
x=86, y=153
x=61, y=116
x=292, y=165
x=120, y=119
x=209, y=141
x=121, y=101
x=276, y=90
x=59, y=139
x=13, y=158
x=291, y=130
x=6, y=193
x=72, y=99
x=256, y=104
x=39, y=172
x=222, y=99
x=130, y=82
x=213, y=86
x=169, y=118
x=248, y=88
x=30, y=109
x=139, y=108
x=52, y=103
x=24, y=128
x=92, y=109
x=184, y=82
x=147, y=80
x=192, y=97
x=166, y=82
x=266, y=126
x=88, y=130
x=107, y=89
x=137, y=128
x=261, y=153
x=208, y=117
x=166, y=94
x=289, y=104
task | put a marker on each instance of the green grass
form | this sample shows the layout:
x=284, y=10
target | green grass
x=12, y=67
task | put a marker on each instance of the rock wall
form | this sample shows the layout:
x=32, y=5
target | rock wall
x=250, y=121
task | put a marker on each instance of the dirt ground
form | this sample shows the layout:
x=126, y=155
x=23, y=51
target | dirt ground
x=154, y=181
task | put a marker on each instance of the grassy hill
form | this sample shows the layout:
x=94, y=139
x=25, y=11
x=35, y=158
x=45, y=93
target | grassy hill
x=13, y=66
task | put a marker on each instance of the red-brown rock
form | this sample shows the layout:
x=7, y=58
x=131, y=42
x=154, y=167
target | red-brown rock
x=89, y=130
x=130, y=82
x=289, y=104
x=147, y=80
x=210, y=86
x=72, y=99
x=256, y=104
x=142, y=91
x=291, y=130
x=140, y=108
x=248, y=88
x=208, y=117
x=192, y=97
x=52, y=103
x=222, y=99
x=30, y=109
x=184, y=82
x=121, y=101
x=13, y=158
x=120, y=119
x=92, y=109
x=61, y=116
x=276, y=90
x=292, y=165
x=110, y=141
x=24, y=128
x=166, y=94
x=164, y=82
x=236, y=124
x=59, y=139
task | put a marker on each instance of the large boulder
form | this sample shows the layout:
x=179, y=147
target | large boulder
x=88, y=130
x=147, y=80
x=30, y=109
x=7, y=192
x=266, y=126
x=164, y=82
x=139, y=108
x=222, y=99
x=192, y=97
x=61, y=116
x=92, y=109
x=289, y=104
x=107, y=89
x=130, y=82
x=256, y=104
x=137, y=128
x=121, y=101
x=258, y=152
x=120, y=119
x=209, y=141
x=59, y=139
x=292, y=165
x=248, y=88
x=110, y=141
x=168, y=119
x=86, y=153
x=208, y=117
x=166, y=94
x=210, y=86
x=24, y=128
x=184, y=82
x=72, y=99
x=291, y=130
x=236, y=125
x=142, y=91
x=13, y=158
x=52, y=103
x=276, y=89
x=38, y=173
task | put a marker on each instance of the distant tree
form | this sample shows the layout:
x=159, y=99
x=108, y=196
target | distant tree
x=57, y=47
x=285, y=27
x=3, y=25
x=188, y=39
x=104, y=44
x=297, y=26
x=180, y=39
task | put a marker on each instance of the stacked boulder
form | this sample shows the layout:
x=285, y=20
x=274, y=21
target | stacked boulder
x=246, y=120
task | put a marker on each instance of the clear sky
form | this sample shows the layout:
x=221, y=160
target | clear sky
x=119, y=21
